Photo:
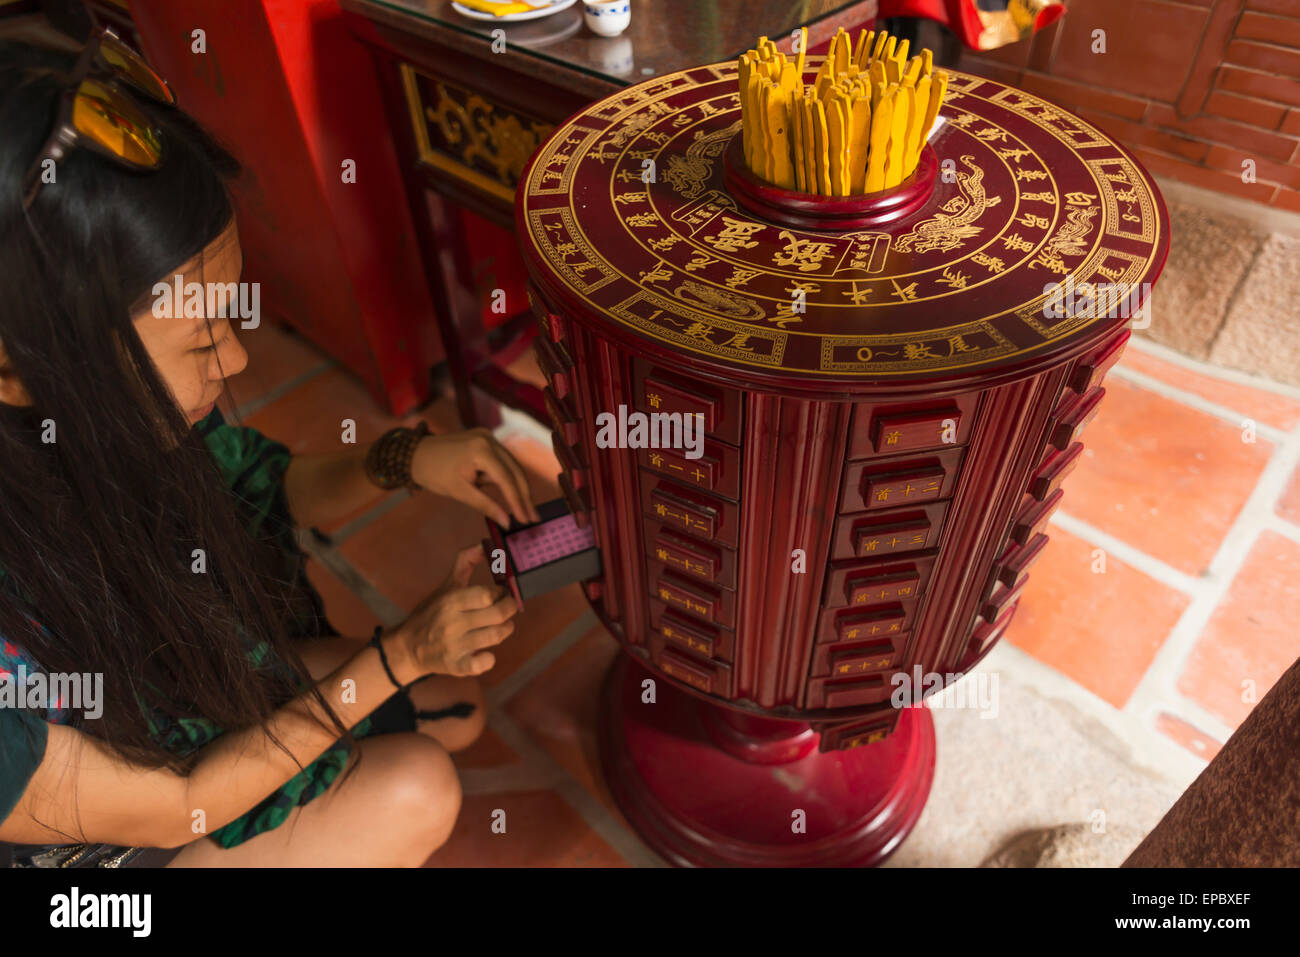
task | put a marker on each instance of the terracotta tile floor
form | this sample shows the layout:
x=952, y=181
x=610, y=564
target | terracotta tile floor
x=1169, y=592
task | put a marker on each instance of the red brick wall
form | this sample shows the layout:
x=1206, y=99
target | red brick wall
x=1193, y=87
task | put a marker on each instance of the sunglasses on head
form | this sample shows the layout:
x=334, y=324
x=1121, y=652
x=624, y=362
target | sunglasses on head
x=97, y=113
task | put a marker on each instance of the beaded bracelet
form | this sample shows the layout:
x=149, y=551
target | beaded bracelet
x=388, y=463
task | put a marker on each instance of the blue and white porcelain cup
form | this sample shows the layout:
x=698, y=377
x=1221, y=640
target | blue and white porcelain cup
x=607, y=18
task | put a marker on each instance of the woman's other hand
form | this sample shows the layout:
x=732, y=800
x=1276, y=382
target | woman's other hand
x=451, y=630
x=454, y=464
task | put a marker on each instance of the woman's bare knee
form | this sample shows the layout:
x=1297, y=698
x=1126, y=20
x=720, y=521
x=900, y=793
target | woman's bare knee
x=423, y=792
x=394, y=809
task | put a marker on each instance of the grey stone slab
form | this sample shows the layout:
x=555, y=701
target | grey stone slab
x=1261, y=333
x=1041, y=762
x=1208, y=256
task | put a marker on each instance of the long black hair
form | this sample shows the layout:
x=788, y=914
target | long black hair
x=97, y=527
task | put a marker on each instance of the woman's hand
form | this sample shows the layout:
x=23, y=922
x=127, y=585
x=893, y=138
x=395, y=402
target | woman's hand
x=449, y=632
x=456, y=463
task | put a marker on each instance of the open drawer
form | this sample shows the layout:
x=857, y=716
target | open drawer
x=542, y=556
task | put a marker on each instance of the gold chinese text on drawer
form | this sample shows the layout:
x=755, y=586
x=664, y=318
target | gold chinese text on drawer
x=717, y=470
x=697, y=513
x=695, y=598
x=697, y=637
x=855, y=658
x=892, y=532
x=887, y=620
x=894, y=488
x=695, y=674
x=855, y=582
x=846, y=623
x=712, y=641
x=864, y=588
x=904, y=480
x=687, y=556
x=661, y=390
x=853, y=661
x=711, y=677
x=887, y=429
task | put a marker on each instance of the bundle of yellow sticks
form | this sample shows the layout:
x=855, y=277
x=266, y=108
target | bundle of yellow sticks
x=858, y=128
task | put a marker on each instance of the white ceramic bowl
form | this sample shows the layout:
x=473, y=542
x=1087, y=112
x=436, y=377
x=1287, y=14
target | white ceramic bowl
x=607, y=18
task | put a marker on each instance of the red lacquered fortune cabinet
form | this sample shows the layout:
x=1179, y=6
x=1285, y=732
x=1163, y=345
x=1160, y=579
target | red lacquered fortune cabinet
x=891, y=390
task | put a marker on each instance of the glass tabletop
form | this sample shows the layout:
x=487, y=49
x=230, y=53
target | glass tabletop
x=664, y=35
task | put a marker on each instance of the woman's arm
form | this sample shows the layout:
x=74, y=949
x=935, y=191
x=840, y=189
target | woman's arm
x=322, y=488
x=81, y=789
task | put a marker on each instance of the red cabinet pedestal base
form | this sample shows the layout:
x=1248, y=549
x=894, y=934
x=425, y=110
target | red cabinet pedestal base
x=707, y=786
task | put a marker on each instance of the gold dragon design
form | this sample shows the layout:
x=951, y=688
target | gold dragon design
x=954, y=224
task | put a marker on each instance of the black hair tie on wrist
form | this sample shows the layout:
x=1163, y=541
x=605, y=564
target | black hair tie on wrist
x=374, y=640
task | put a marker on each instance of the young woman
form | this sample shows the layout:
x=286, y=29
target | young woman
x=146, y=543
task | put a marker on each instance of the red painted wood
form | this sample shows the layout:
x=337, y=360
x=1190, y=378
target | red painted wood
x=286, y=85
x=697, y=803
x=870, y=210
x=674, y=282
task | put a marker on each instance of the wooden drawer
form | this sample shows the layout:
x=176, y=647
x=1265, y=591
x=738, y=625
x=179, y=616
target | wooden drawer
x=709, y=677
x=1034, y=517
x=860, y=731
x=661, y=390
x=553, y=359
x=578, y=500
x=703, y=516
x=987, y=632
x=848, y=692
x=691, y=597
x=551, y=324
x=1072, y=415
x=887, y=620
x=689, y=555
x=1002, y=598
x=570, y=459
x=691, y=634
x=717, y=470
x=912, y=479
x=1016, y=559
x=893, y=532
x=1089, y=373
x=905, y=427
x=845, y=659
x=856, y=583
x=563, y=419
x=1051, y=472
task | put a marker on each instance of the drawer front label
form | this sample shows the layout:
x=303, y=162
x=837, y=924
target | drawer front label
x=882, y=491
x=902, y=433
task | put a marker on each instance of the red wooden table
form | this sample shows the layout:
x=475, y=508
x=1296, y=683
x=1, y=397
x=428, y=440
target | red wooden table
x=891, y=401
x=466, y=111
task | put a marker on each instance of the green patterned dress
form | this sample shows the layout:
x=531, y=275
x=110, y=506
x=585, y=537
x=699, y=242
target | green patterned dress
x=253, y=467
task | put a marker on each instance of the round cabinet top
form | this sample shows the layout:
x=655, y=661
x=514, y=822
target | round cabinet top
x=1041, y=236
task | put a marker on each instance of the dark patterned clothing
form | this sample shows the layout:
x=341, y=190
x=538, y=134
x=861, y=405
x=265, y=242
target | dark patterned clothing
x=253, y=467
